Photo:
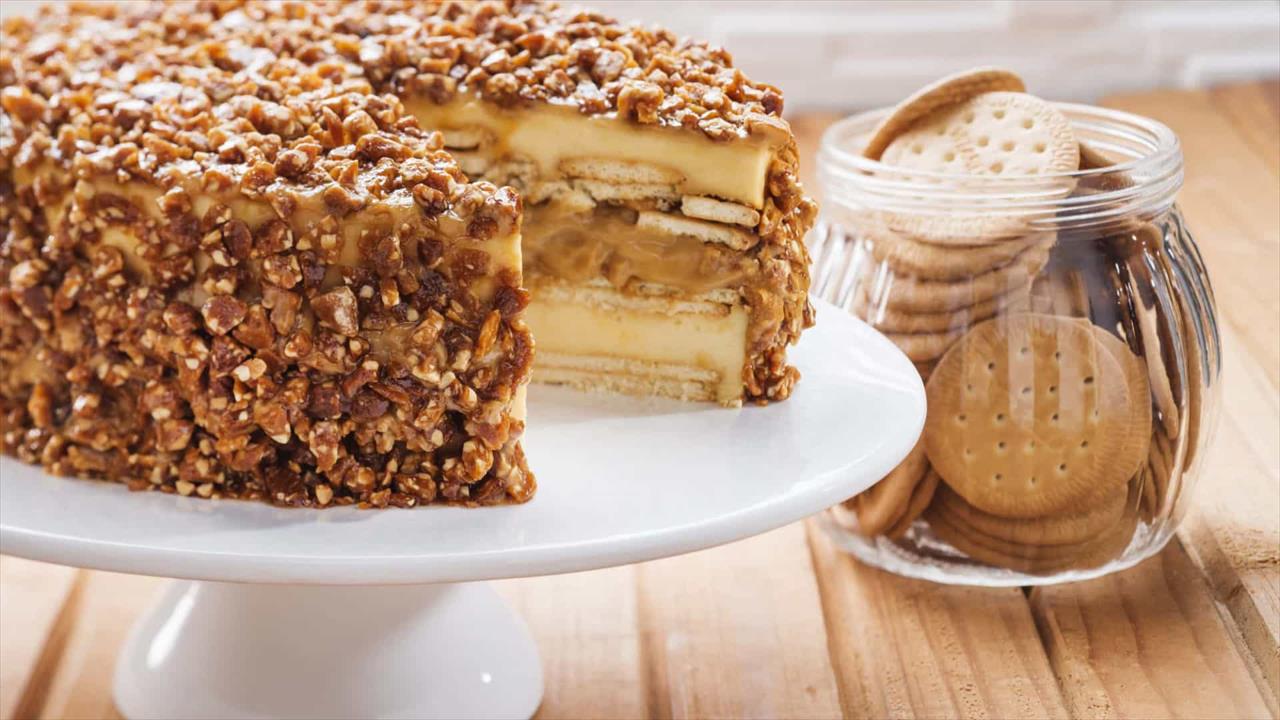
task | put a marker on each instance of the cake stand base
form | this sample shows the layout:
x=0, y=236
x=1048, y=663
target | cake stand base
x=224, y=650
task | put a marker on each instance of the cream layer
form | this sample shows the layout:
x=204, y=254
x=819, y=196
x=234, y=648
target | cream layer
x=642, y=343
x=548, y=135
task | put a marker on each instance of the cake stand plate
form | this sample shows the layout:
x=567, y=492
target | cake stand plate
x=359, y=613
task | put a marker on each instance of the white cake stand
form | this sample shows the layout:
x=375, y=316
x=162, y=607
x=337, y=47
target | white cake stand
x=358, y=613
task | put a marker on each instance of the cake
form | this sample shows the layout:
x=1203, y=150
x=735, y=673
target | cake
x=303, y=252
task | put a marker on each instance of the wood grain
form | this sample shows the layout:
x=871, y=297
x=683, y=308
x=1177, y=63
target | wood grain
x=736, y=631
x=81, y=685
x=1145, y=643
x=1231, y=527
x=38, y=606
x=907, y=648
x=1254, y=111
x=586, y=628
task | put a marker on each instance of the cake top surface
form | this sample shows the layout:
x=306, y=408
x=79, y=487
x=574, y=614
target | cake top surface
x=175, y=93
x=225, y=77
x=521, y=52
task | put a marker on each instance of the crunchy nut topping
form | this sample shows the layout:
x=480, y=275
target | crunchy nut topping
x=228, y=347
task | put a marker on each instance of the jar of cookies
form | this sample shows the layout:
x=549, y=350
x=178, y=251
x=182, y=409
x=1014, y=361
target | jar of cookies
x=1031, y=260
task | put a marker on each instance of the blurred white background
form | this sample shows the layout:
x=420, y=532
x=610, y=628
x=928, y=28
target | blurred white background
x=860, y=53
x=848, y=54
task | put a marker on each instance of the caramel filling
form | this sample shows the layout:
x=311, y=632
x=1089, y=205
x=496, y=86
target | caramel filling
x=605, y=242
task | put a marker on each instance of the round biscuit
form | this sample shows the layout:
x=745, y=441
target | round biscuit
x=930, y=147
x=887, y=319
x=1062, y=292
x=1191, y=337
x=882, y=504
x=1091, y=519
x=1093, y=159
x=947, y=91
x=925, y=347
x=924, y=368
x=1012, y=134
x=1135, y=375
x=1033, y=559
x=1028, y=415
x=1166, y=471
x=909, y=256
x=976, y=223
x=998, y=134
x=1150, y=499
x=1149, y=318
x=1042, y=553
x=920, y=499
x=916, y=295
x=1160, y=470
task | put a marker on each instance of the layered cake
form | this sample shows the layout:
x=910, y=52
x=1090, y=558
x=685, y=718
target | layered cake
x=302, y=252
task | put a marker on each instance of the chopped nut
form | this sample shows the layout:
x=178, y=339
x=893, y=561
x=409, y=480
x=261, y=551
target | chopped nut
x=222, y=313
x=250, y=370
x=40, y=406
x=22, y=103
x=324, y=402
x=324, y=494
x=368, y=405
x=174, y=435
x=324, y=445
x=425, y=334
x=282, y=270
x=338, y=311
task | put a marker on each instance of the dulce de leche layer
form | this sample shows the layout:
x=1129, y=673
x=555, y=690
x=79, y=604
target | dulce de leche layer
x=606, y=242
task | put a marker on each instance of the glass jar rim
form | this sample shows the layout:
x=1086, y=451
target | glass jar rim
x=1144, y=181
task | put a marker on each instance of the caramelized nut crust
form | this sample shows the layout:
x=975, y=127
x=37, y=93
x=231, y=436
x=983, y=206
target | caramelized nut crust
x=217, y=236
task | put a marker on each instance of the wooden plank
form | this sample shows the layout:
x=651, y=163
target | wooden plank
x=1231, y=527
x=908, y=648
x=81, y=685
x=1230, y=203
x=1254, y=110
x=1145, y=643
x=585, y=627
x=736, y=631
x=38, y=606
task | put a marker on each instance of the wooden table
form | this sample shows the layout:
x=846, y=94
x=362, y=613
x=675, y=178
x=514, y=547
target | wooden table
x=784, y=625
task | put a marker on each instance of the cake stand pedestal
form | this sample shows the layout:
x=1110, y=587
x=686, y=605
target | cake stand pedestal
x=226, y=650
x=288, y=613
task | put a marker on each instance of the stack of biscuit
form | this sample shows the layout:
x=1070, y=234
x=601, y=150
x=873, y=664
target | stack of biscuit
x=934, y=273
x=1037, y=424
x=1038, y=449
x=1168, y=328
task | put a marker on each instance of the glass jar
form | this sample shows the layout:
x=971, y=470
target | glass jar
x=1065, y=328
